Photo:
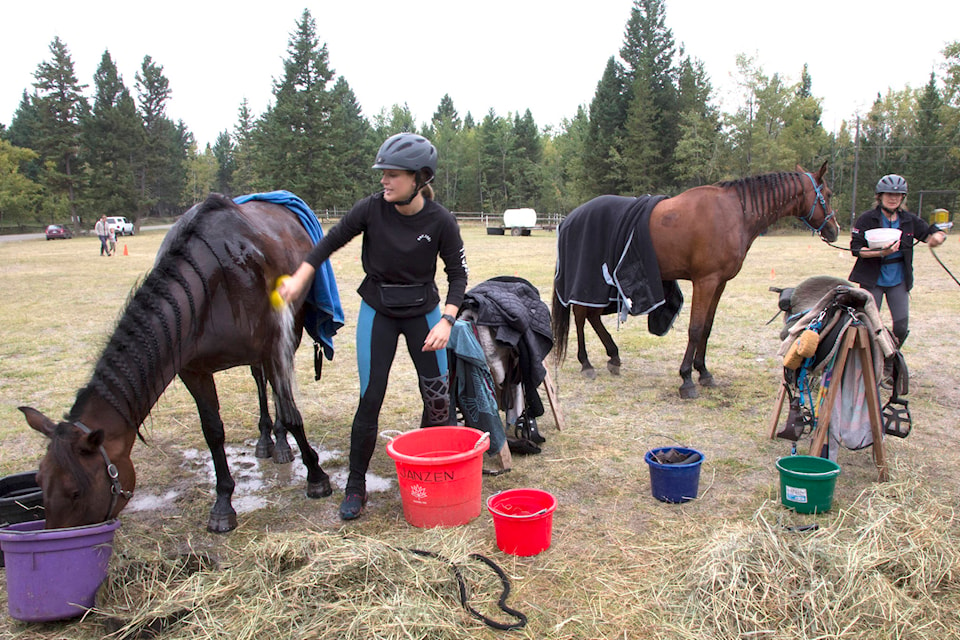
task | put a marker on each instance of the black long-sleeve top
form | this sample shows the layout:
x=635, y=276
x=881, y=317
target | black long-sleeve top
x=400, y=249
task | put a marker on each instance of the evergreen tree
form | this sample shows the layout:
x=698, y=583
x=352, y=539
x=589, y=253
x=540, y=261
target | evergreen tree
x=446, y=137
x=244, y=178
x=223, y=150
x=60, y=108
x=652, y=127
x=112, y=138
x=352, y=145
x=642, y=159
x=525, y=163
x=23, y=132
x=566, y=179
x=495, y=144
x=603, y=147
x=928, y=168
x=162, y=170
x=700, y=151
x=292, y=138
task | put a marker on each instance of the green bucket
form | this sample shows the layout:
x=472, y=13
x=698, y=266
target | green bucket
x=807, y=483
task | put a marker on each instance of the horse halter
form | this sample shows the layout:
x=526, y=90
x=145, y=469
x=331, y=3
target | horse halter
x=116, y=489
x=827, y=215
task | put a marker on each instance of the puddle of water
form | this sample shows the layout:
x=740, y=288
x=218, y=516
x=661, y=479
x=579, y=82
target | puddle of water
x=256, y=478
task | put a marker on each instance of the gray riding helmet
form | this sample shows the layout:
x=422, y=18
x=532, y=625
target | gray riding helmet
x=408, y=152
x=892, y=183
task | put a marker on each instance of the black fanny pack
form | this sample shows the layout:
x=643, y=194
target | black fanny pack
x=398, y=296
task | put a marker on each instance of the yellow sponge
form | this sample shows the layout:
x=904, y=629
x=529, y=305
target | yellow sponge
x=275, y=298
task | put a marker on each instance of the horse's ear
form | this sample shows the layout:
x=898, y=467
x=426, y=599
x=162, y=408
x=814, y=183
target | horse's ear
x=822, y=172
x=91, y=441
x=801, y=169
x=38, y=421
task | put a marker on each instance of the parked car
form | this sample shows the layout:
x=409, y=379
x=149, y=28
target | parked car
x=56, y=231
x=121, y=226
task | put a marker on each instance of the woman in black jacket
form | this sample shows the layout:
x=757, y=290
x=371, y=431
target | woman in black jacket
x=404, y=233
x=888, y=271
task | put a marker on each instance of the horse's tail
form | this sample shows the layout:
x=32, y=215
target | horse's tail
x=560, y=323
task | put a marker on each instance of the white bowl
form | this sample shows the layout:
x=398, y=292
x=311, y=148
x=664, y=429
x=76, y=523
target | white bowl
x=878, y=238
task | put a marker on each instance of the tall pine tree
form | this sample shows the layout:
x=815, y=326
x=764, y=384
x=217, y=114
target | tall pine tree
x=112, y=136
x=60, y=108
x=293, y=136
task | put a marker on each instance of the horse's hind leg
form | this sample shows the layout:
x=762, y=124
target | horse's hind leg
x=269, y=430
x=318, y=482
x=204, y=391
x=579, y=317
x=613, y=352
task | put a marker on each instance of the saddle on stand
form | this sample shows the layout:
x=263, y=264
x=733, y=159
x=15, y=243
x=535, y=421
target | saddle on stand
x=834, y=348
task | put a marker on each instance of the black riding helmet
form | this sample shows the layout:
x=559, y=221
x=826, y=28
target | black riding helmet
x=409, y=152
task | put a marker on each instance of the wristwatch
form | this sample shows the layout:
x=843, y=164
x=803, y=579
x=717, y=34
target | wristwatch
x=449, y=318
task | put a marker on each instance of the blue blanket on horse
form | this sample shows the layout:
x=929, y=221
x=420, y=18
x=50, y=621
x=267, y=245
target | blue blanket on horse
x=323, y=315
x=605, y=259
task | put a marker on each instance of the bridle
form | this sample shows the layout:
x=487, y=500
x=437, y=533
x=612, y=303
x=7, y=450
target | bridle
x=827, y=215
x=116, y=489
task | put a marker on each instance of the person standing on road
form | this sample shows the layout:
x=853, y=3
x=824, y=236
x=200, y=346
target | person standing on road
x=103, y=231
x=404, y=232
x=888, y=271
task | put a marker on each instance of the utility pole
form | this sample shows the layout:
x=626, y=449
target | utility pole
x=856, y=166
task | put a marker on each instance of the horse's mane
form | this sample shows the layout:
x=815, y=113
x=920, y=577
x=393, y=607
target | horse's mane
x=766, y=193
x=129, y=373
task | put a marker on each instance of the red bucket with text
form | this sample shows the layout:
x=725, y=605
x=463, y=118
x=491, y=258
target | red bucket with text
x=440, y=473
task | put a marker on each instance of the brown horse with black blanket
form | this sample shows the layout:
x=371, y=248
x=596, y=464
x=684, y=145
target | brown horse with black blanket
x=203, y=308
x=624, y=255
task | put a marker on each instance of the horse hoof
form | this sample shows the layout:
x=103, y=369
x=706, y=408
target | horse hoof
x=614, y=369
x=707, y=381
x=221, y=523
x=320, y=489
x=264, y=450
x=688, y=391
x=589, y=374
x=282, y=455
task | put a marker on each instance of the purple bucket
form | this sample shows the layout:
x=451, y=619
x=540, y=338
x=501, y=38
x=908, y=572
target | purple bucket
x=54, y=574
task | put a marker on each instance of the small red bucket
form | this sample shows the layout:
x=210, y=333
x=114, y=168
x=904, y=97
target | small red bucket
x=522, y=520
x=440, y=473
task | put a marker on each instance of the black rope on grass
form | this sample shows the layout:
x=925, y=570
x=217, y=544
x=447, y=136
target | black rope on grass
x=464, y=597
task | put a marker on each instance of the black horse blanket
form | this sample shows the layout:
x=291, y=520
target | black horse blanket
x=605, y=259
x=513, y=307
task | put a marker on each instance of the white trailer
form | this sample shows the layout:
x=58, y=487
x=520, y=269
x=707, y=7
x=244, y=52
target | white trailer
x=518, y=221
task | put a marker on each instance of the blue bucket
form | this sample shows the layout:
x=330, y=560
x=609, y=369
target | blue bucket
x=674, y=482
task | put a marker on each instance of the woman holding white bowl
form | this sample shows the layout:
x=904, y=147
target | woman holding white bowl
x=887, y=270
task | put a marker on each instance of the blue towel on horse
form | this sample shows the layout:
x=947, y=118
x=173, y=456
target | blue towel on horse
x=605, y=259
x=323, y=315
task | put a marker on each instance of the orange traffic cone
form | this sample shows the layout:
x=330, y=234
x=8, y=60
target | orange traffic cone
x=125, y=249
x=773, y=274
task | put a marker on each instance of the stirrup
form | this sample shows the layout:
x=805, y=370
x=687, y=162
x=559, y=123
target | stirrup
x=896, y=418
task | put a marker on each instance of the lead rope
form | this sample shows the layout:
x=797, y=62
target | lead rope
x=937, y=258
x=465, y=597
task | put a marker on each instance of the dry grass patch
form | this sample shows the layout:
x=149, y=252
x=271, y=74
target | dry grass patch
x=622, y=565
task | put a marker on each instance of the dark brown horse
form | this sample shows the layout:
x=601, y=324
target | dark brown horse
x=203, y=308
x=703, y=235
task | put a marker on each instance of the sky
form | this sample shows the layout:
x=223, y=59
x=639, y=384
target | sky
x=505, y=55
